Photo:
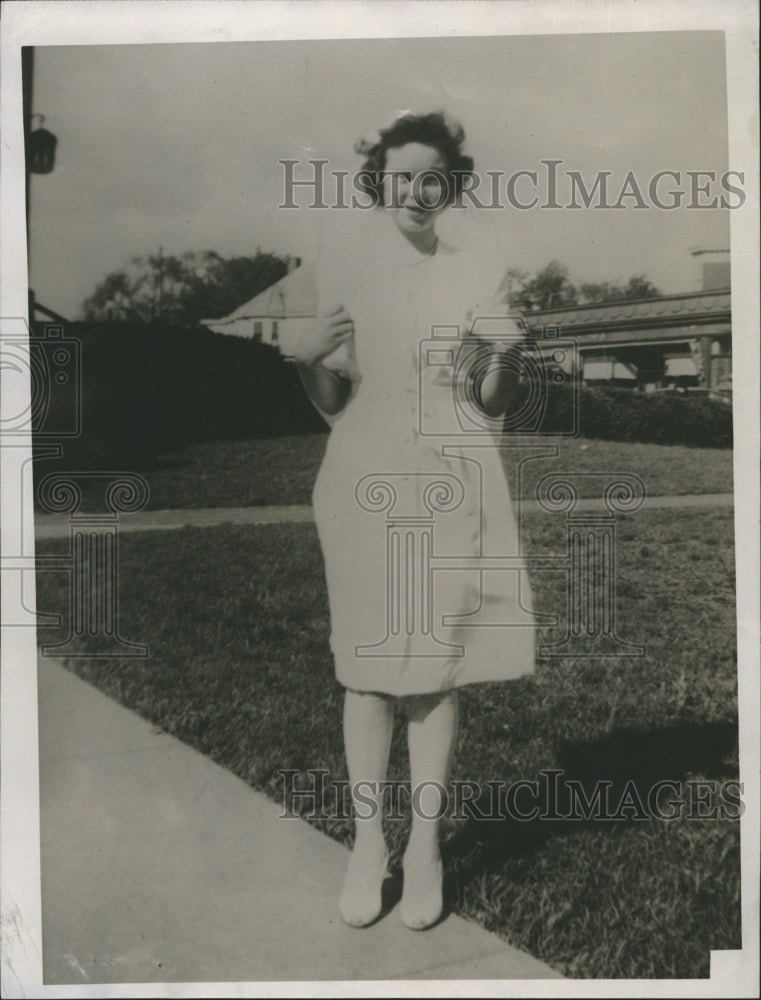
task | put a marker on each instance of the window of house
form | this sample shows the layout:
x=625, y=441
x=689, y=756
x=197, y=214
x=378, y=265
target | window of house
x=257, y=329
x=275, y=332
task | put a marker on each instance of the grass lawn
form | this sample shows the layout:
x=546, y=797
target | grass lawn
x=283, y=470
x=237, y=622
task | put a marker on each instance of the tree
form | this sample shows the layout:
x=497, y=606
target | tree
x=600, y=292
x=637, y=287
x=181, y=291
x=551, y=288
x=512, y=286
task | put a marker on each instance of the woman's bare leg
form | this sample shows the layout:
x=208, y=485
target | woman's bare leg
x=432, y=735
x=368, y=726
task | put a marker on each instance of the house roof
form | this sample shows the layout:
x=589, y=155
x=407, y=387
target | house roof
x=291, y=296
x=663, y=310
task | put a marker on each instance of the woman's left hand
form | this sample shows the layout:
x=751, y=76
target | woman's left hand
x=500, y=341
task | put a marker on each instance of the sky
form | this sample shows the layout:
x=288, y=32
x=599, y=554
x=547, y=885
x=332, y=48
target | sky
x=178, y=145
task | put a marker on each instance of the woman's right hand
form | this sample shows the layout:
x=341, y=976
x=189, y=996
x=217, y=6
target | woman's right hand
x=332, y=327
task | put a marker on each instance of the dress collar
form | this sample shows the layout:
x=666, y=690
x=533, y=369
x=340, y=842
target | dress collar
x=402, y=251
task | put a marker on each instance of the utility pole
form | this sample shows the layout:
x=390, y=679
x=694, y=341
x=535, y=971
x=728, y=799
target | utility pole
x=39, y=155
x=27, y=81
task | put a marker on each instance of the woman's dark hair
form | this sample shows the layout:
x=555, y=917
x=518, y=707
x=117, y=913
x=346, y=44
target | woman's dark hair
x=435, y=129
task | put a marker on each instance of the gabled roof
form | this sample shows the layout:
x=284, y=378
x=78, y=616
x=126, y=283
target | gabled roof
x=294, y=295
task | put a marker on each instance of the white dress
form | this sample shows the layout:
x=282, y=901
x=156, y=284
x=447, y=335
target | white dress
x=411, y=501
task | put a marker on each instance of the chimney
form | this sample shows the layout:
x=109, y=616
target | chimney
x=715, y=270
x=292, y=263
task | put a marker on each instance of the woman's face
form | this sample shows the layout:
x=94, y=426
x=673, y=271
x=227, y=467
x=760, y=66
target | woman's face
x=410, y=188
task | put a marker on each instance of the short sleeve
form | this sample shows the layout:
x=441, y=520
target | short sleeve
x=327, y=293
x=330, y=281
x=489, y=308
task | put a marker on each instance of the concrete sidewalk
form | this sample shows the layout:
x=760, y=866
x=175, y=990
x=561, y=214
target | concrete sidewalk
x=160, y=866
x=57, y=525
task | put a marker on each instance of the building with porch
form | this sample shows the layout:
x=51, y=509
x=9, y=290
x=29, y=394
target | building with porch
x=681, y=342
x=671, y=342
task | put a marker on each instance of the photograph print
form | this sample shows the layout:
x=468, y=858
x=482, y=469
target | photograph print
x=381, y=470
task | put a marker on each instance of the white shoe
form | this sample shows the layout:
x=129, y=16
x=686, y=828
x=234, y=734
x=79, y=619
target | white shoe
x=422, y=906
x=361, y=900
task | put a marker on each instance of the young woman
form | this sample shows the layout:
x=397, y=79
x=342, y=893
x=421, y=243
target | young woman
x=400, y=486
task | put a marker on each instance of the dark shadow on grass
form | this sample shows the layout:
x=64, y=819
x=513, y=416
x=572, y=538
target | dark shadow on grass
x=154, y=463
x=646, y=757
x=624, y=765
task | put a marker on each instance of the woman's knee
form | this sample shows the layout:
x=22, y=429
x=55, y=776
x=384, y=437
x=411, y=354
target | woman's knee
x=417, y=706
x=369, y=697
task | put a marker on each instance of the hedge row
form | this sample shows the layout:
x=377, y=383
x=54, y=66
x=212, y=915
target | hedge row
x=628, y=415
x=147, y=391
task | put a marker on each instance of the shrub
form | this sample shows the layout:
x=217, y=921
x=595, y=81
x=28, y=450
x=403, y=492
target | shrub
x=149, y=390
x=627, y=415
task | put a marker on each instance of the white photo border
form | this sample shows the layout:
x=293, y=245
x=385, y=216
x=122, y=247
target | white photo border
x=79, y=22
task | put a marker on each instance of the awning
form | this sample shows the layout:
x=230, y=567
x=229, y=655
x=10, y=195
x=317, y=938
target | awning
x=605, y=371
x=677, y=367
